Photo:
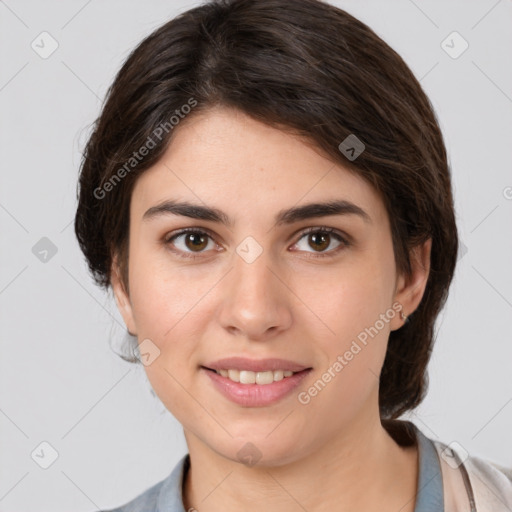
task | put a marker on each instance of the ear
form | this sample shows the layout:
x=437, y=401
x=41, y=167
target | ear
x=122, y=298
x=410, y=290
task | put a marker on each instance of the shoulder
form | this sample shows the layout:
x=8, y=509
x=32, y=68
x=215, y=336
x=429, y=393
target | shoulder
x=473, y=480
x=492, y=483
x=144, y=502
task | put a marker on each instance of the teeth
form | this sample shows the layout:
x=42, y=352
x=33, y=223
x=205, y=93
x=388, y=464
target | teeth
x=248, y=377
x=278, y=375
x=234, y=375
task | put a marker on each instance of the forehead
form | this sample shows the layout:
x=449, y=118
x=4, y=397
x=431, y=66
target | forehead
x=226, y=159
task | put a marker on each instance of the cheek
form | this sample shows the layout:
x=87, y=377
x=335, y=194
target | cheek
x=169, y=312
x=348, y=377
x=355, y=304
x=161, y=294
x=347, y=299
x=172, y=308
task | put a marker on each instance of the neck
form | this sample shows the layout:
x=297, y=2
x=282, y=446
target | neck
x=361, y=468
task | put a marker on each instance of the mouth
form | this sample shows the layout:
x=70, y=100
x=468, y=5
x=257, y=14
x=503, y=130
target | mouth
x=252, y=383
x=250, y=377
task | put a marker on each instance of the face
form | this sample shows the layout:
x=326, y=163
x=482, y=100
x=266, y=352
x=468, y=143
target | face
x=253, y=280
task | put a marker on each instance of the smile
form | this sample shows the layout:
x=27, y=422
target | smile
x=255, y=389
x=250, y=377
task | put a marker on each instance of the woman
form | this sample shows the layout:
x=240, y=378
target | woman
x=267, y=193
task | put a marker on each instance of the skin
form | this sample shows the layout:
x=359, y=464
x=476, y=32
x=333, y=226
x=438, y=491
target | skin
x=333, y=453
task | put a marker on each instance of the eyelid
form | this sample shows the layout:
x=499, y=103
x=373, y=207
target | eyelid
x=344, y=239
x=325, y=229
x=166, y=240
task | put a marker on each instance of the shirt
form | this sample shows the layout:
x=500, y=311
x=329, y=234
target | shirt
x=443, y=478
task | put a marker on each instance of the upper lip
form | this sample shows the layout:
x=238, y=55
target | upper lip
x=255, y=365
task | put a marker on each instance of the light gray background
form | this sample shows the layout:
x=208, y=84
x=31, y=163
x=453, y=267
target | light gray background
x=61, y=382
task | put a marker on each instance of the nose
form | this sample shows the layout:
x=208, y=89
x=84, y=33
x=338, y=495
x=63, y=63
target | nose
x=256, y=302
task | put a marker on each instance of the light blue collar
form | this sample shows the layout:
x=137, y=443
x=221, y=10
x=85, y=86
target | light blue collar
x=430, y=481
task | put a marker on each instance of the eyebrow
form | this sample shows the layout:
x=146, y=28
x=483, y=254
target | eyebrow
x=287, y=216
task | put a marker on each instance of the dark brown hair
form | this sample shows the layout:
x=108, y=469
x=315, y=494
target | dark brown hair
x=303, y=66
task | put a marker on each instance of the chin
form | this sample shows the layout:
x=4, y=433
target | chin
x=259, y=451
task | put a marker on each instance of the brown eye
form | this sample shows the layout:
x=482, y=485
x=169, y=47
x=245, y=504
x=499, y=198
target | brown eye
x=320, y=239
x=189, y=241
x=195, y=241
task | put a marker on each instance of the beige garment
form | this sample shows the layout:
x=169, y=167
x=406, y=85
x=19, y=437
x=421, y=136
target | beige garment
x=472, y=484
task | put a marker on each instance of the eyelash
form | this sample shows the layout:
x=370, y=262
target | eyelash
x=323, y=229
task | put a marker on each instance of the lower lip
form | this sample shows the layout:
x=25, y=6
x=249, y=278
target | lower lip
x=256, y=395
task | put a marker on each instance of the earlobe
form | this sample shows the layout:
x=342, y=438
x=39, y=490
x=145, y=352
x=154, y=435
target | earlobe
x=410, y=289
x=122, y=299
